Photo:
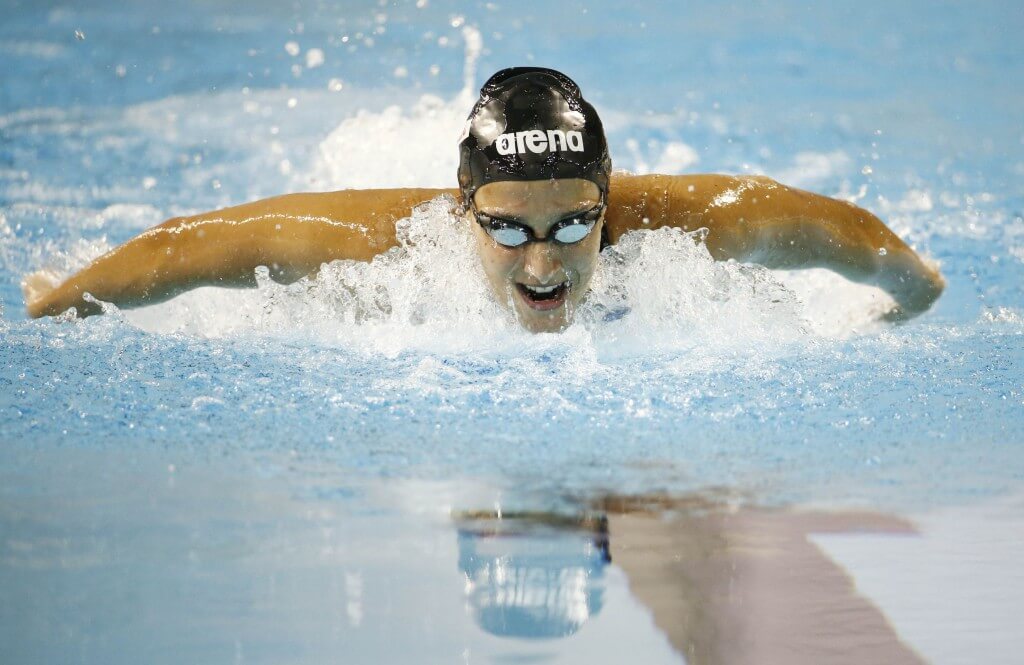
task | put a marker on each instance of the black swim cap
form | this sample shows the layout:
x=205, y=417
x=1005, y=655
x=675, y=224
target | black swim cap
x=531, y=123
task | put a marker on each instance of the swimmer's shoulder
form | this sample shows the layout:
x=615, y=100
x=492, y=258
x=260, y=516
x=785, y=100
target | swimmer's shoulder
x=656, y=200
x=312, y=227
x=364, y=205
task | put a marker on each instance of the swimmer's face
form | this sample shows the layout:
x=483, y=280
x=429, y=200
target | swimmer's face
x=543, y=282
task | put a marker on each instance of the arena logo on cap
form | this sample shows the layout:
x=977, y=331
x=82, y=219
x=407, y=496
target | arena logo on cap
x=539, y=141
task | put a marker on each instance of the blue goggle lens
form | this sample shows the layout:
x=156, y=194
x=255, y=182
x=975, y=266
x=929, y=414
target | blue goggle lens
x=572, y=233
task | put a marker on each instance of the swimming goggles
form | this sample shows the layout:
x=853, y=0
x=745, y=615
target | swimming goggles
x=567, y=231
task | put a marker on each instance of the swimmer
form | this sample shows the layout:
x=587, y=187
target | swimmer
x=536, y=189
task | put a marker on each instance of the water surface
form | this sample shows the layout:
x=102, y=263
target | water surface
x=281, y=474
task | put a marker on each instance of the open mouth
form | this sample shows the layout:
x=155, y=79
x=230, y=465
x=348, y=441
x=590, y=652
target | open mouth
x=544, y=297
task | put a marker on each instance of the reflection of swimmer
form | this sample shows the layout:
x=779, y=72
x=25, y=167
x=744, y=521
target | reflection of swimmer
x=536, y=188
x=532, y=575
x=726, y=585
x=734, y=586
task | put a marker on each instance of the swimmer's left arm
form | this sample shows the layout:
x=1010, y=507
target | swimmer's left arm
x=754, y=218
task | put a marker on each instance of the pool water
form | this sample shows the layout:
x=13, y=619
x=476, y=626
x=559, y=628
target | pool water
x=289, y=473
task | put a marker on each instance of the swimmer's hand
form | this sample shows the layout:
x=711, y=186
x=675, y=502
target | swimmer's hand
x=38, y=287
x=46, y=295
x=913, y=281
x=35, y=286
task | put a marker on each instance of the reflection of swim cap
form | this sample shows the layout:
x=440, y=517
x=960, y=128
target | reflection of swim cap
x=531, y=123
x=533, y=580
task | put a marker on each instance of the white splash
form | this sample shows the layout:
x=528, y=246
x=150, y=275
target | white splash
x=392, y=148
x=662, y=289
x=653, y=290
x=399, y=147
x=672, y=157
x=811, y=169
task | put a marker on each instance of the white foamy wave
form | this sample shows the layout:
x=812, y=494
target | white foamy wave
x=398, y=147
x=810, y=168
x=662, y=289
x=393, y=148
x=672, y=157
x=833, y=306
x=429, y=292
x=655, y=290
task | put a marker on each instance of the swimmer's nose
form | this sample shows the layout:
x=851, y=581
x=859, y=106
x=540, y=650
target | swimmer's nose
x=541, y=262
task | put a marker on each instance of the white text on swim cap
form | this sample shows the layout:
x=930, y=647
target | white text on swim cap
x=539, y=141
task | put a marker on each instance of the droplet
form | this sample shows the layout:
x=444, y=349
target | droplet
x=314, y=58
x=867, y=170
x=292, y=48
x=882, y=251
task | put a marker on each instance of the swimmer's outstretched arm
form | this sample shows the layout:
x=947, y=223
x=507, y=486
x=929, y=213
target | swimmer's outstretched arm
x=754, y=218
x=293, y=235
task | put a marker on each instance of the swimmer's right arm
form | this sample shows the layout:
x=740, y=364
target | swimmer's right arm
x=293, y=235
x=753, y=218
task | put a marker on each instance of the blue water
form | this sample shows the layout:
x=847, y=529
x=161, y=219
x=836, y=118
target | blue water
x=153, y=110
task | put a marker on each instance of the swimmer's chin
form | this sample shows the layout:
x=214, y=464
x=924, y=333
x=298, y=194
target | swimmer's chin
x=550, y=325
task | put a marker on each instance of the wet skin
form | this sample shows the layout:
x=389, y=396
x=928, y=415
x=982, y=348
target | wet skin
x=514, y=273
